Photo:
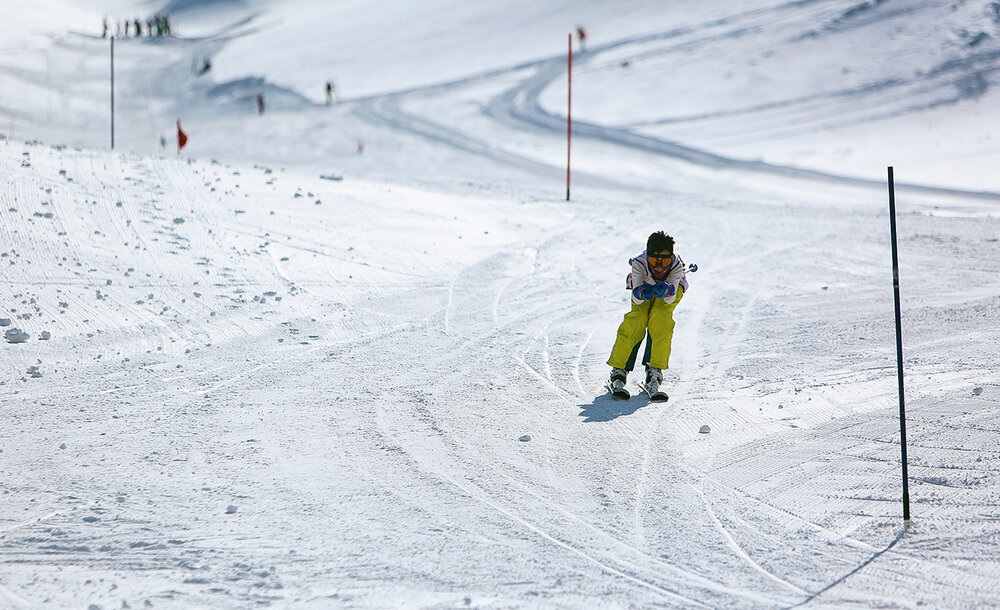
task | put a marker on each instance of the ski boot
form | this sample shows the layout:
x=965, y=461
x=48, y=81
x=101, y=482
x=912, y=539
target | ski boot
x=654, y=377
x=616, y=384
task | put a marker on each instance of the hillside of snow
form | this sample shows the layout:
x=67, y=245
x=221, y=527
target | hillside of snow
x=351, y=355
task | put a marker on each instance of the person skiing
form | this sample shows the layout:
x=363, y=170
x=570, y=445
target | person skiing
x=658, y=281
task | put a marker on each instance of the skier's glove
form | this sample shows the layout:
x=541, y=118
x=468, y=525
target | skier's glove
x=664, y=289
x=644, y=292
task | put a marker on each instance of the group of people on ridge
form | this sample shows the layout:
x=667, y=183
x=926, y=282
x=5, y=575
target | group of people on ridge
x=155, y=27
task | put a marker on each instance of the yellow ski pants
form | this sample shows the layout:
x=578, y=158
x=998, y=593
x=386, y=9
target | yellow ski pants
x=653, y=320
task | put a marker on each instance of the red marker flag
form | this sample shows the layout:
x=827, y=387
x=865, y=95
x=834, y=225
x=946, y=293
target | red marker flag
x=182, y=138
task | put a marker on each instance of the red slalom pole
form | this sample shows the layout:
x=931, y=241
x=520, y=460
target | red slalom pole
x=112, y=93
x=569, y=107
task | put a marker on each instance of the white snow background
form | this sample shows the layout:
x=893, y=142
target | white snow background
x=352, y=356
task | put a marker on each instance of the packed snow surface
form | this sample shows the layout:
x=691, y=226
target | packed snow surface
x=352, y=354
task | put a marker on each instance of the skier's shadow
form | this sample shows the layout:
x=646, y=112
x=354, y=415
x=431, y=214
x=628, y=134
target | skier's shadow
x=606, y=408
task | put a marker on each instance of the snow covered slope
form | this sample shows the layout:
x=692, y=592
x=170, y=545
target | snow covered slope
x=351, y=356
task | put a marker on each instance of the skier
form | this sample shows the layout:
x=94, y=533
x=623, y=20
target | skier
x=260, y=103
x=658, y=281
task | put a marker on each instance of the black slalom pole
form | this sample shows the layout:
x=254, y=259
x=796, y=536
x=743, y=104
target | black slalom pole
x=899, y=348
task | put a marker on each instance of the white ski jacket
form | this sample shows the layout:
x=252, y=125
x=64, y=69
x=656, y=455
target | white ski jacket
x=641, y=274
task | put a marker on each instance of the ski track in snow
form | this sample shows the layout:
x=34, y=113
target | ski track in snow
x=520, y=108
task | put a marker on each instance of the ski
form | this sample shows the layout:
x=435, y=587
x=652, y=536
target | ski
x=618, y=390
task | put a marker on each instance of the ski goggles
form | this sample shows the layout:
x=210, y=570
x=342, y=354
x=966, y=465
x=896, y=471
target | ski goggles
x=659, y=261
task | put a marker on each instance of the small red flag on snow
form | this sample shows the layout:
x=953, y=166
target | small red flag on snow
x=182, y=137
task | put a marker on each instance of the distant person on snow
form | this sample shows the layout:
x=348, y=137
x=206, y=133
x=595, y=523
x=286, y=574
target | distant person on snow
x=260, y=103
x=658, y=281
x=581, y=36
x=330, y=92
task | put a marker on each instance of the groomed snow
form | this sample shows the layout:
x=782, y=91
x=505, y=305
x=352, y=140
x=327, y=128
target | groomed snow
x=352, y=356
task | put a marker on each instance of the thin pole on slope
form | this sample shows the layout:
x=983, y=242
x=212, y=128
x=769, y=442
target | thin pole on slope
x=899, y=347
x=112, y=93
x=569, y=107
